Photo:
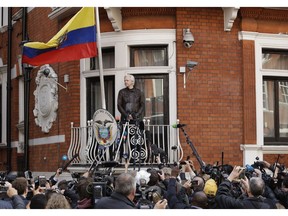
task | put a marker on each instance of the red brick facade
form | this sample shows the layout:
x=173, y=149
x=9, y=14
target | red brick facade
x=218, y=103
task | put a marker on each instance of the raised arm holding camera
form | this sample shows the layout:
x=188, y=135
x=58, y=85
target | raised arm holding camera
x=253, y=188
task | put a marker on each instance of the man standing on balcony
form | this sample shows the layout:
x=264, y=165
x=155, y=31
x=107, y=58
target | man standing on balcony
x=130, y=101
x=130, y=104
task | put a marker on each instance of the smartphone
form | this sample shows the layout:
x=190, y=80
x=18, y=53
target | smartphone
x=182, y=176
x=28, y=175
x=42, y=181
x=242, y=174
x=156, y=197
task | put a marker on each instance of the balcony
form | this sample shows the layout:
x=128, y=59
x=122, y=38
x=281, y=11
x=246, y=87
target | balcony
x=139, y=146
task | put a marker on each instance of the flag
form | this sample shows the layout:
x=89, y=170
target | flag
x=76, y=40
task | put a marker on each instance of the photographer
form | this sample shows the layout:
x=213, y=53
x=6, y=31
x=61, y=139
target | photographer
x=252, y=189
x=123, y=195
x=70, y=195
x=21, y=185
x=54, y=178
x=14, y=201
x=85, y=192
x=282, y=192
x=176, y=192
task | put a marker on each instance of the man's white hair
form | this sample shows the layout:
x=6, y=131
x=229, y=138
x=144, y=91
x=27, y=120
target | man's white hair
x=130, y=76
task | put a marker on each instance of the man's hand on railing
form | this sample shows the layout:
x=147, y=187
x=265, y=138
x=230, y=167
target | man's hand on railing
x=158, y=159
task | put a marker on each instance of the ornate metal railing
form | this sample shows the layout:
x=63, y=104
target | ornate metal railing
x=132, y=143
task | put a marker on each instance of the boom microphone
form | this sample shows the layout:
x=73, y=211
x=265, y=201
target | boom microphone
x=178, y=125
x=67, y=164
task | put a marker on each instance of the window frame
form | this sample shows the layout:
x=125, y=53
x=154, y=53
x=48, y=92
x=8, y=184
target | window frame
x=3, y=18
x=277, y=139
x=265, y=41
x=148, y=47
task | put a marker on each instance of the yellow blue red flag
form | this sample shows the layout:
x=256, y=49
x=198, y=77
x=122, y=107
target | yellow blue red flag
x=76, y=40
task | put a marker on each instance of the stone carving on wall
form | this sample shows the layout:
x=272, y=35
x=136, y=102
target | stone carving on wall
x=46, y=98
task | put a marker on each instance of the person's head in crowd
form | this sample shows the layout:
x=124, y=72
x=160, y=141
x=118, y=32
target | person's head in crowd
x=199, y=199
x=83, y=186
x=125, y=184
x=48, y=193
x=57, y=201
x=62, y=185
x=21, y=185
x=154, y=177
x=256, y=186
x=38, y=201
x=200, y=183
x=167, y=172
x=210, y=188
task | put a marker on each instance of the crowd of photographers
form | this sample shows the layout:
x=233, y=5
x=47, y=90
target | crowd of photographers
x=179, y=186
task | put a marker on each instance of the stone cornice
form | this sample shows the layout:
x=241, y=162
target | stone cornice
x=145, y=11
x=265, y=14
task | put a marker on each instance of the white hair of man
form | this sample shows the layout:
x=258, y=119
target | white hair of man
x=130, y=77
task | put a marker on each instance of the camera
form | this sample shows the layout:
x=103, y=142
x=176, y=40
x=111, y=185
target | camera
x=191, y=64
x=188, y=38
x=42, y=181
x=99, y=191
x=243, y=173
x=188, y=44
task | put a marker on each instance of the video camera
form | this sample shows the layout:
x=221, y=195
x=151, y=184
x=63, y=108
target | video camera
x=99, y=191
x=147, y=197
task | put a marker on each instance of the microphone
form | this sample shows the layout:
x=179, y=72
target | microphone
x=178, y=125
x=141, y=125
x=70, y=161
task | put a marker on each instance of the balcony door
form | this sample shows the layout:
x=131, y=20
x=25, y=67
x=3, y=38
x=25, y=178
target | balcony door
x=156, y=94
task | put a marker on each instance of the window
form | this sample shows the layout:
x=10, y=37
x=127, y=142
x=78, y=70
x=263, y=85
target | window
x=108, y=59
x=156, y=94
x=275, y=59
x=148, y=56
x=94, y=95
x=154, y=87
x=3, y=16
x=276, y=116
x=275, y=97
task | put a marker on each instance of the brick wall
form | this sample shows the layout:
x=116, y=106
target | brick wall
x=212, y=103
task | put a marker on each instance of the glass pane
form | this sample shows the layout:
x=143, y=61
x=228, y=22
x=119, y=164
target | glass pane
x=268, y=108
x=275, y=60
x=283, y=109
x=153, y=94
x=94, y=100
x=108, y=59
x=148, y=56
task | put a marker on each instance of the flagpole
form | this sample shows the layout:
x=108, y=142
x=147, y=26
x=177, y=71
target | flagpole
x=100, y=60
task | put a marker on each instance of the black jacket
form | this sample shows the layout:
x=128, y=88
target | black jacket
x=225, y=199
x=130, y=101
x=282, y=196
x=175, y=198
x=115, y=201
